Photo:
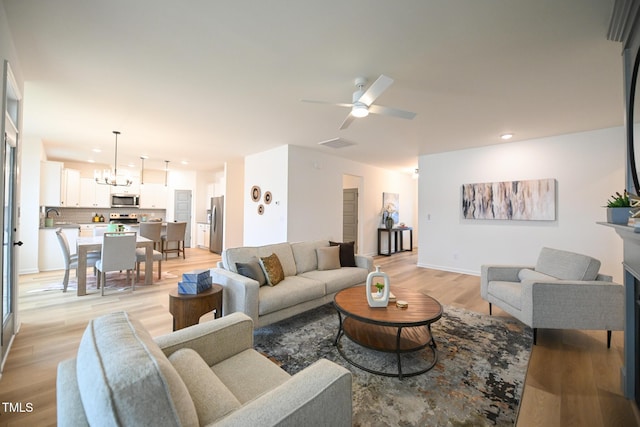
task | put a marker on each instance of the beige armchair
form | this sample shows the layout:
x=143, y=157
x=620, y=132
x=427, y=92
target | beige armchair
x=562, y=291
x=207, y=374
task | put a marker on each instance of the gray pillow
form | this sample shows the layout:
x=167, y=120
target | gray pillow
x=252, y=270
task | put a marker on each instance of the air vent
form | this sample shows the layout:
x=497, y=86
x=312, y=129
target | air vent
x=336, y=143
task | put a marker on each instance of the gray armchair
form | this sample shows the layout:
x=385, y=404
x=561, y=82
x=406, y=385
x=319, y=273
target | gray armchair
x=562, y=291
x=207, y=374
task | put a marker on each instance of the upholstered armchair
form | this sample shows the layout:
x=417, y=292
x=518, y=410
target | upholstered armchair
x=562, y=291
x=207, y=374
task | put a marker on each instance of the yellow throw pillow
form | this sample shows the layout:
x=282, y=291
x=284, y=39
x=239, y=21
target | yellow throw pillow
x=273, y=268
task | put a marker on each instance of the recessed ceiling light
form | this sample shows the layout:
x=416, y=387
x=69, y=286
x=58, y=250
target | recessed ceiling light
x=97, y=150
x=506, y=136
x=91, y=161
x=184, y=162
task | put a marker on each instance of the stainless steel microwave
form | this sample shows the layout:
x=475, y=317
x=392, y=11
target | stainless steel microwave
x=125, y=201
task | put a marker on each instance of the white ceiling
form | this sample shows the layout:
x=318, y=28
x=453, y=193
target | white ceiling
x=205, y=81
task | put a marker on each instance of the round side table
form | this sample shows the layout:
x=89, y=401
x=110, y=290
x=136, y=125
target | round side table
x=187, y=308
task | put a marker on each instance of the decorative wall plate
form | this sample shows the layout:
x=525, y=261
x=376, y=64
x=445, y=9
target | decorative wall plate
x=260, y=209
x=255, y=193
x=267, y=197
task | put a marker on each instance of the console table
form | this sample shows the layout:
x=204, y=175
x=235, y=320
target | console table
x=398, y=236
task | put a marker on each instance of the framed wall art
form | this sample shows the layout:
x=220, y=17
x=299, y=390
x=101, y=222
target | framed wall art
x=532, y=200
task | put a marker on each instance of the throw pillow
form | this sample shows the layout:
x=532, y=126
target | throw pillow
x=347, y=253
x=252, y=270
x=273, y=268
x=328, y=258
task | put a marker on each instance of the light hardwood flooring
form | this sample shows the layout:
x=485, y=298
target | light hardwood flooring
x=572, y=380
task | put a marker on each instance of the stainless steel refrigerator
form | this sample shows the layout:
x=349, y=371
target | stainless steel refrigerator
x=215, y=225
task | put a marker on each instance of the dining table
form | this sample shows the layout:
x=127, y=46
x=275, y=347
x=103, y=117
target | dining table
x=94, y=243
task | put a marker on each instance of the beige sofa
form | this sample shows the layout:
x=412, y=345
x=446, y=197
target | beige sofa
x=564, y=290
x=304, y=287
x=207, y=374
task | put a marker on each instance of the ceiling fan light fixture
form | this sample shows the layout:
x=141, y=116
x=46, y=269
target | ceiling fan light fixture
x=359, y=110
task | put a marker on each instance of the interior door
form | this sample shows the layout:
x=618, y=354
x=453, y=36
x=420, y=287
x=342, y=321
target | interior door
x=8, y=215
x=350, y=216
x=182, y=212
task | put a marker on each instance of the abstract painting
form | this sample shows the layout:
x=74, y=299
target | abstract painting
x=533, y=200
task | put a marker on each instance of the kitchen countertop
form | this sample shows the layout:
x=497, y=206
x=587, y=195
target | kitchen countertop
x=61, y=225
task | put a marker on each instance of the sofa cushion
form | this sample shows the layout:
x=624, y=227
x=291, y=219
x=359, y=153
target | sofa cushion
x=509, y=292
x=273, y=269
x=124, y=378
x=567, y=265
x=210, y=396
x=347, y=253
x=252, y=270
x=285, y=255
x=328, y=258
x=528, y=274
x=305, y=255
x=249, y=374
x=336, y=280
x=291, y=291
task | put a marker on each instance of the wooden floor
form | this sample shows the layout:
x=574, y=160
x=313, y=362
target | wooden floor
x=573, y=379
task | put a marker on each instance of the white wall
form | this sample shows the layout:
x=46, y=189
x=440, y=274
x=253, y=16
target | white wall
x=588, y=167
x=316, y=183
x=234, y=199
x=267, y=170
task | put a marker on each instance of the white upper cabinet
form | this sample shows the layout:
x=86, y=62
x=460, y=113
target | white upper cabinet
x=50, y=183
x=153, y=196
x=94, y=195
x=70, y=188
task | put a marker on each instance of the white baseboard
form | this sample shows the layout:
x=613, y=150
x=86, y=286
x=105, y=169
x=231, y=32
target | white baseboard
x=449, y=269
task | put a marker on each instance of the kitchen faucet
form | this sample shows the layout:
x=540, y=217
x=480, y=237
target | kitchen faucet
x=52, y=209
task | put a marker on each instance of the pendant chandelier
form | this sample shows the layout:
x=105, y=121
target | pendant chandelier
x=108, y=177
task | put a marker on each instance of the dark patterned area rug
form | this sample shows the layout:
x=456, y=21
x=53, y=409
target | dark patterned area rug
x=478, y=380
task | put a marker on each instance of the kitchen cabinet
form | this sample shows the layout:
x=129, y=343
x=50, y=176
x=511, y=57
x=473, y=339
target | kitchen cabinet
x=94, y=195
x=70, y=188
x=134, y=188
x=202, y=238
x=50, y=255
x=153, y=196
x=50, y=183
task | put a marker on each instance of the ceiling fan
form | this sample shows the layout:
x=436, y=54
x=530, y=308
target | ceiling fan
x=362, y=103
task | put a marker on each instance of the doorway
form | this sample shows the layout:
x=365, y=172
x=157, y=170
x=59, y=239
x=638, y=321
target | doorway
x=182, y=212
x=350, y=216
x=8, y=217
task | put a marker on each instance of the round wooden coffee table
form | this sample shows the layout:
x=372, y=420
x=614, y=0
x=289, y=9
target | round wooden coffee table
x=389, y=329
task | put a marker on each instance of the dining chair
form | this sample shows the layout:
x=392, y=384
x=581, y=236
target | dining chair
x=71, y=260
x=152, y=231
x=118, y=253
x=175, y=233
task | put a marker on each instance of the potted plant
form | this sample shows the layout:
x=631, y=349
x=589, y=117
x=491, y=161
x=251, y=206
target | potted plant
x=619, y=208
x=380, y=287
x=387, y=215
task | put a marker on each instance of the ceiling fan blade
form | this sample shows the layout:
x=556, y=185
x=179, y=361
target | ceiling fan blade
x=347, y=121
x=388, y=111
x=375, y=90
x=327, y=102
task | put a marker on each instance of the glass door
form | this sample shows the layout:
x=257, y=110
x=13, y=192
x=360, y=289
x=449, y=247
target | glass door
x=8, y=215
